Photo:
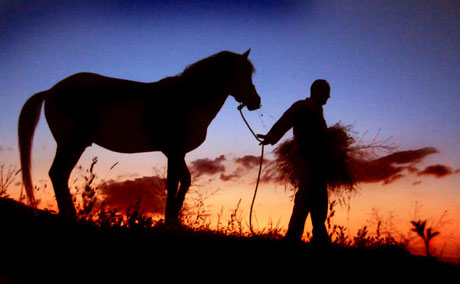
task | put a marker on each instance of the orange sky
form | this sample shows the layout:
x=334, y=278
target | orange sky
x=396, y=204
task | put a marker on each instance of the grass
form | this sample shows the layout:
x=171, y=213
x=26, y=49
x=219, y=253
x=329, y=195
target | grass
x=104, y=244
x=36, y=244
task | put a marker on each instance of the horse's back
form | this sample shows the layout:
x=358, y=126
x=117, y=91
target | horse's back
x=94, y=85
x=117, y=114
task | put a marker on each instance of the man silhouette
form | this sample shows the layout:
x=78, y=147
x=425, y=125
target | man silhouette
x=306, y=118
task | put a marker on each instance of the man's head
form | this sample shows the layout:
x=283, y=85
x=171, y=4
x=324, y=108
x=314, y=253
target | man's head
x=320, y=91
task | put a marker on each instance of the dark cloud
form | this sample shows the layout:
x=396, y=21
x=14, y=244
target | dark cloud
x=245, y=165
x=386, y=169
x=392, y=178
x=207, y=166
x=149, y=191
x=412, y=169
x=233, y=176
x=438, y=171
x=410, y=156
x=389, y=168
x=377, y=171
x=248, y=161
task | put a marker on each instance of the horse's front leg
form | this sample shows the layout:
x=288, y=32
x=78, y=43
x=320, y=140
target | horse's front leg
x=185, y=182
x=172, y=182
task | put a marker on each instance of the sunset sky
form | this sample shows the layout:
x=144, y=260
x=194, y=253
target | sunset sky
x=393, y=67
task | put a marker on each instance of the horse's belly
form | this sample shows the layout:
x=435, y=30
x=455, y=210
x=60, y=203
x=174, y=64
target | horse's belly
x=124, y=141
x=124, y=130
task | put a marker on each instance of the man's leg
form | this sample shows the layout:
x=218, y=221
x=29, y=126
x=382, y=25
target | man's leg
x=299, y=215
x=319, y=207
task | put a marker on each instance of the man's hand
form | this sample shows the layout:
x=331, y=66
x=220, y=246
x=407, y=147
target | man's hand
x=264, y=138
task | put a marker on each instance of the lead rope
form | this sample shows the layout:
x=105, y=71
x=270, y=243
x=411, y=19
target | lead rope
x=260, y=167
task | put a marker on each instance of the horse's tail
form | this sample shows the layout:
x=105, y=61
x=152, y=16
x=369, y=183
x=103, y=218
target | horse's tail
x=28, y=119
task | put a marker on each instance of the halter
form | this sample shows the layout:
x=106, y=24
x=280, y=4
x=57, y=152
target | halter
x=240, y=107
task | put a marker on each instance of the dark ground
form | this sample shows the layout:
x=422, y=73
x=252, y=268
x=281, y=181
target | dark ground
x=40, y=247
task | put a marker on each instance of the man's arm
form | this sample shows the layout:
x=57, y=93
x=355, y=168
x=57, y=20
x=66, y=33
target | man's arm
x=280, y=127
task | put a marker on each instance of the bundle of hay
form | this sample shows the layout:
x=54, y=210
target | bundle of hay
x=341, y=154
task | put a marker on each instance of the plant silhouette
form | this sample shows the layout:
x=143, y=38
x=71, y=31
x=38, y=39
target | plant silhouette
x=426, y=233
x=171, y=116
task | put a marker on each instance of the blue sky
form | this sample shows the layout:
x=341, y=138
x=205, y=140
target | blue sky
x=392, y=66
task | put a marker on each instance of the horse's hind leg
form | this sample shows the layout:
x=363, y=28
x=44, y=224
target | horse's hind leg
x=66, y=158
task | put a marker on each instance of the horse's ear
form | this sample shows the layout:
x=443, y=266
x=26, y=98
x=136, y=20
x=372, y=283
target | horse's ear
x=246, y=54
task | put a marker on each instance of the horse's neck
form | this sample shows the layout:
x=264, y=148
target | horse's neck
x=207, y=98
x=198, y=96
x=209, y=108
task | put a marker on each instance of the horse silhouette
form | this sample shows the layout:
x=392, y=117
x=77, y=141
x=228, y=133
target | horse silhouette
x=171, y=115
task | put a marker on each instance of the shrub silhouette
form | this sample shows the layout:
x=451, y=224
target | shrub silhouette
x=7, y=178
x=426, y=233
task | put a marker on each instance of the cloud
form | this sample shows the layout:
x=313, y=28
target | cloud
x=386, y=169
x=389, y=168
x=233, y=176
x=207, y=166
x=149, y=191
x=410, y=156
x=377, y=171
x=392, y=178
x=218, y=166
x=248, y=161
x=437, y=171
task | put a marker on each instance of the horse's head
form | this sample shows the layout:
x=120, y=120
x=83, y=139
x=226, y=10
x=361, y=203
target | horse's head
x=243, y=89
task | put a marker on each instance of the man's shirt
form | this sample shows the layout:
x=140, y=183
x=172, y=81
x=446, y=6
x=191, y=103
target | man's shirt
x=307, y=120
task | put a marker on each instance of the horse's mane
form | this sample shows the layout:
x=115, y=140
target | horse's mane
x=222, y=61
x=209, y=73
